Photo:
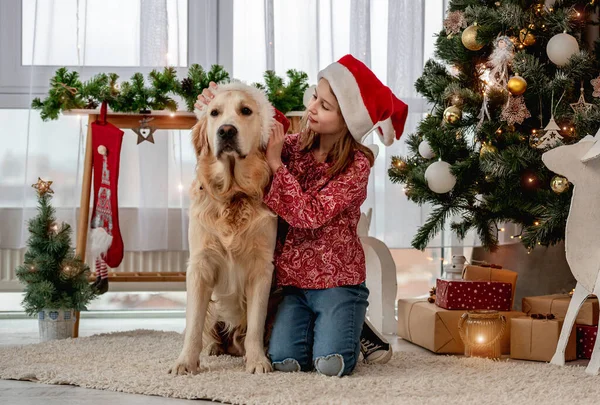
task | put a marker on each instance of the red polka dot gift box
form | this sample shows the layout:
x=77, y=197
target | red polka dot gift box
x=469, y=294
x=586, y=337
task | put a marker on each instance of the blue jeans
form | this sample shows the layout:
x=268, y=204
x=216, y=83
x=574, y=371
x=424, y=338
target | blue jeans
x=320, y=329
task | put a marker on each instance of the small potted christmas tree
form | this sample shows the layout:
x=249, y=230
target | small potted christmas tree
x=56, y=281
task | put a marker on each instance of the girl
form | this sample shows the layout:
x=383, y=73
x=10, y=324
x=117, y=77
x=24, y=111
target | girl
x=319, y=184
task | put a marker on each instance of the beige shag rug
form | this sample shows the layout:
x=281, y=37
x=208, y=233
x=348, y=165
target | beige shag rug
x=138, y=361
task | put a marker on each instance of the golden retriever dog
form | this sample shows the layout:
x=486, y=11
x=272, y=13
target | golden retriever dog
x=231, y=232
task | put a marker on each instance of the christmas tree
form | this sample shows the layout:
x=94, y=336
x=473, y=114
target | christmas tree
x=510, y=80
x=54, y=278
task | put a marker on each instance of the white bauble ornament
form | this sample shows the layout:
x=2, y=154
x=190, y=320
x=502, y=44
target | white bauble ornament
x=561, y=47
x=425, y=150
x=439, y=178
x=308, y=95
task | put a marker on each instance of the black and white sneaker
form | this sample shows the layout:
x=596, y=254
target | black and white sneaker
x=373, y=346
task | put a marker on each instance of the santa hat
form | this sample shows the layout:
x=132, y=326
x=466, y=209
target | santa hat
x=364, y=101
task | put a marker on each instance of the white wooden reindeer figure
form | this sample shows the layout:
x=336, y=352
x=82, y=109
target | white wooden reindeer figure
x=381, y=278
x=580, y=163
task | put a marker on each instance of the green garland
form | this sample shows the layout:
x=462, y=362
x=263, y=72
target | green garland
x=67, y=92
x=284, y=97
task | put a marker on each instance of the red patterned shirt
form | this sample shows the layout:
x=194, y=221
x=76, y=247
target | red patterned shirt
x=320, y=214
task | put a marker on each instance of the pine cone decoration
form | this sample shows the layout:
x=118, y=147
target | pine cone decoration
x=187, y=85
x=431, y=298
x=91, y=104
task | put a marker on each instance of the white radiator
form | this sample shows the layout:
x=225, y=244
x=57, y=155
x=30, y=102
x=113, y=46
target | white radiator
x=156, y=261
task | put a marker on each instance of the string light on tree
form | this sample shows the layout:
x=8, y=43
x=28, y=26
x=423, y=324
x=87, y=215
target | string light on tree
x=526, y=37
x=486, y=148
x=398, y=163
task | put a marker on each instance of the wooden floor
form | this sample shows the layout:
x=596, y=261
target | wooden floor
x=19, y=332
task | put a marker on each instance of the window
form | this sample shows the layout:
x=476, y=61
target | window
x=104, y=33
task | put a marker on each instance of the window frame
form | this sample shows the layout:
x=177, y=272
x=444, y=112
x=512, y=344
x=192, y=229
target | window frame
x=19, y=83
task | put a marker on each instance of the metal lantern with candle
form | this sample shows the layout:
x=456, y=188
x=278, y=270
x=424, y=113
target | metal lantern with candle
x=481, y=332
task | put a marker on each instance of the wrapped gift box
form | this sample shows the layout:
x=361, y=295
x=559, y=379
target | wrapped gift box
x=468, y=295
x=436, y=329
x=483, y=273
x=558, y=304
x=586, y=338
x=536, y=339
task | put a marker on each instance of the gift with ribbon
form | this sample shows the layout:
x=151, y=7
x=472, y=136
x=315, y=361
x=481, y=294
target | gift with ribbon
x=535, y=338
x=491, y=272
x=558, y=304
x=436, y=329
x=586, y=338
x=469, y=295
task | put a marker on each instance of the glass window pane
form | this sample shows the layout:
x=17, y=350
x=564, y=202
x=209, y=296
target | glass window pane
x=97, y=33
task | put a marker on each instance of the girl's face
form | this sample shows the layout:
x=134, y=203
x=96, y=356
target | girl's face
x=324, y=115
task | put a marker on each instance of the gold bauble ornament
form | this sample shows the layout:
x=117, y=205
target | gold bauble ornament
x=517, y=85
x=559, y=184
x=452, y=114
x=487, y=148
x=469, y=38
x=526, y=37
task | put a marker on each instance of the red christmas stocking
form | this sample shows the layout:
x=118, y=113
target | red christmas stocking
x=106, y=241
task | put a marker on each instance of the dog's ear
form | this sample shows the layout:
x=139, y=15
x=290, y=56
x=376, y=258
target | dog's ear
x=200, y=136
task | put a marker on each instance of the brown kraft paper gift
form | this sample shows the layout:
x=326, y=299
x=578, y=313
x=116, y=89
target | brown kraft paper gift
x=436, y=329
x=536, y=339
x=558, y=304
x=492, y=274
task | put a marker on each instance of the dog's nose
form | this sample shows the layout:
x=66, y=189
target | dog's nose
x=227, y=131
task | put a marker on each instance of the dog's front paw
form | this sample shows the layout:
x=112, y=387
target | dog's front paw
x=259, y=364
x=185, y=365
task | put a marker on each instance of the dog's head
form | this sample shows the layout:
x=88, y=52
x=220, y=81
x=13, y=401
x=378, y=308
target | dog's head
x=236, y=123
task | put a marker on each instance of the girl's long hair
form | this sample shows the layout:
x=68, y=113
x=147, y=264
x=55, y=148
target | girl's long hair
x=342, y=152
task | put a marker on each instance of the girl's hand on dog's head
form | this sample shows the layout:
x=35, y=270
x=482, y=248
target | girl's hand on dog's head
x=275, y=146
x=206, y=96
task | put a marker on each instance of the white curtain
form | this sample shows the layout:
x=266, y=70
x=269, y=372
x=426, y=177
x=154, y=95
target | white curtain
x=394, y=38
x=154, y=178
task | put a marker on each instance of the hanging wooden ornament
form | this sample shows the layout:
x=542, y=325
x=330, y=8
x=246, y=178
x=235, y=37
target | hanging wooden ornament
x=581, y=106
x=551, y=136
x=145, y=132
